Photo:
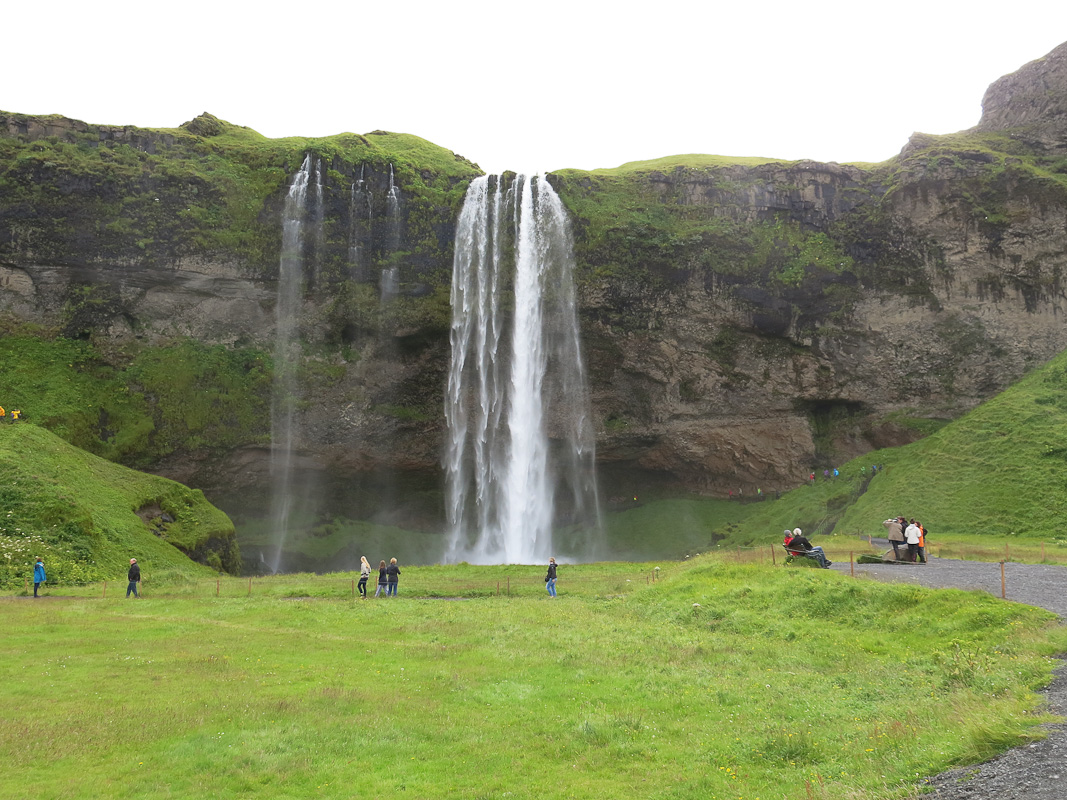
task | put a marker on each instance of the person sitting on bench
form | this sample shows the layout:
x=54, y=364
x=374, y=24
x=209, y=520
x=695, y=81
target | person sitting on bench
x=800, y=544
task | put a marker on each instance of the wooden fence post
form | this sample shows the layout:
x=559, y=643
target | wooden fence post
x=1003, y=584
x=1042, y=551
x=217, y=582
x=249, y=587
x=774, y=561
x=852, y=563
x=104, y=595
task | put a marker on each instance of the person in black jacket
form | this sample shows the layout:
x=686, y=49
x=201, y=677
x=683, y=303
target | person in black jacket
x=800, y=542
x=392, y=573
x=135, y=578
x=383, y=586
x=550, y=578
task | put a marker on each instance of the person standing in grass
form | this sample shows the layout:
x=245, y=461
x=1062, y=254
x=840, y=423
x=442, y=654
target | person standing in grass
x=392, y=572
x=135, y=578
x=382, y=581
x=922, y=543
x=550, y=578
x=364, y=575
x=38, y=575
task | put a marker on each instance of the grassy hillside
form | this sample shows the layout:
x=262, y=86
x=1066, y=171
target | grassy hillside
x=718, y=682
x=80, y=514
x=136, y=407
x=999, y=470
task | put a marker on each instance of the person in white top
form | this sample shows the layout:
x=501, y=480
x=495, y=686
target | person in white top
x=364, y=574
x=913, y=535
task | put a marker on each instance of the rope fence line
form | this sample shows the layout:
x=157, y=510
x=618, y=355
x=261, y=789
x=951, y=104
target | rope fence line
x=333, y=587
x=992, y=556
x=312, y=587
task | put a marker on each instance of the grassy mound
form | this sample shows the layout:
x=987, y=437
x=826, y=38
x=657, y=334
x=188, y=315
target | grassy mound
x=86, y=517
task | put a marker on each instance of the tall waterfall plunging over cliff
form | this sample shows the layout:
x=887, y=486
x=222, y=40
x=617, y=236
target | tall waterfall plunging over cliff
x=520, y=455
x=286, y=357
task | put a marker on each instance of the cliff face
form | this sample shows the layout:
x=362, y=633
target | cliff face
x=743, y=323
x=924, y=287
x=1031, y=104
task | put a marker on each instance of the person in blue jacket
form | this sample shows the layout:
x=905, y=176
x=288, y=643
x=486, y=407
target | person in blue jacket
x=38, y=576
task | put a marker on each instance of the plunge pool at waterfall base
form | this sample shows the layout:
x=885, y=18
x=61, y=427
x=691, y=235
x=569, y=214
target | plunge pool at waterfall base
x=390, y=515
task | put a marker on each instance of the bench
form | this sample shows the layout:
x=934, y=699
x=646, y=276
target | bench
x=792, y=554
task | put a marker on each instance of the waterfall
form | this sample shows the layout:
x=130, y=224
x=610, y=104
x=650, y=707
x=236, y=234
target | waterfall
x=517, y=406
x=286, y=357
x=390, y=285
x=359, y=217
x=317, y=214
x=392, y=213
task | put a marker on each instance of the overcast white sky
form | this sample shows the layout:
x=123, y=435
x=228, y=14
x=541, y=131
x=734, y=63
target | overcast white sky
x=542, y=85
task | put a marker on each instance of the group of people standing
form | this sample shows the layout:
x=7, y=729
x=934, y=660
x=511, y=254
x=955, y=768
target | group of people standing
x=913, y=534
x=388, y=577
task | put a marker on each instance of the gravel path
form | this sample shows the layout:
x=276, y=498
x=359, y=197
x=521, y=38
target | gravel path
x=1036, y=771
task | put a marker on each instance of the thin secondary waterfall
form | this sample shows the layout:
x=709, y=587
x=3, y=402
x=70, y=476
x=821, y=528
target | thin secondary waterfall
x=359, y=218
x=392, y=213
x=286, y=357
x=317, y=213
x=520, y=455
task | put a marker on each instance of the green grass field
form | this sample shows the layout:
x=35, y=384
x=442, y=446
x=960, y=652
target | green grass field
x=718, y=680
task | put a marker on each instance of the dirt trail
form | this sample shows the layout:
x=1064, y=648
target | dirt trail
x=1036, y=771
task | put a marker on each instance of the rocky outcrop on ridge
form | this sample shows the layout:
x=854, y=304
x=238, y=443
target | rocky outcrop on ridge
x=1031, y=103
